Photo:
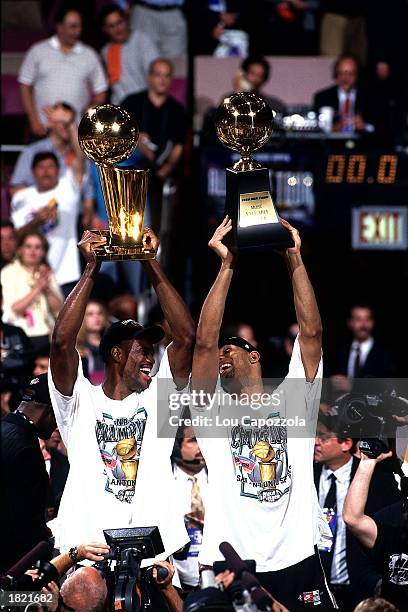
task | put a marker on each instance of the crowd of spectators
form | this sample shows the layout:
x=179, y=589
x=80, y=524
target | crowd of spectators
x=54, y=195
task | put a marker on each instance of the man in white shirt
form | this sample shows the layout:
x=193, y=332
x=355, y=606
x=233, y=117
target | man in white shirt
x=120, y=470
x=350, y=572
x=191, y=482
x=52, y=206
x=61, y=68
x=261, y=496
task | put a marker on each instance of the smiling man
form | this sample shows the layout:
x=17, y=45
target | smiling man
x=120, y=472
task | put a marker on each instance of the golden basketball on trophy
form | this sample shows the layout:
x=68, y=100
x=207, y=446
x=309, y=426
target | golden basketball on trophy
x=108, y=135
x=244, y=123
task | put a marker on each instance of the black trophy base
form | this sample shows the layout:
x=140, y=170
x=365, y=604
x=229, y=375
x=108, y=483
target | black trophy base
x=255, y=221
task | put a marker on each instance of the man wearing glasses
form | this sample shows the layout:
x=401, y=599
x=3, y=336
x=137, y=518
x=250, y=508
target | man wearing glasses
x=348, y=570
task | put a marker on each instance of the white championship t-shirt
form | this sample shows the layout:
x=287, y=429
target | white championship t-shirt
x=261, y=496
x=63, y=254
x=120, y=471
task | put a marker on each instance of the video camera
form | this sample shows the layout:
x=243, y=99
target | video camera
x=128, y=584
x=369, y=418
x=245, y=594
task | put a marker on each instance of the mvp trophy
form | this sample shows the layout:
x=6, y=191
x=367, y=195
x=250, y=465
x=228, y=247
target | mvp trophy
x=244, y=123
x=107, y=135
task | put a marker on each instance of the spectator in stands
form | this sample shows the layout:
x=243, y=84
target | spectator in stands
x=8, y=243
x=24, y=477
x=342, y=28
x=59, y=141
x=254, y=73
x=31, y=295
x=95, y=322
x=52, y=206
x=191, y=479
x=163, y=22
x=349, y=102
x=363, y=357
x=61, y=68
x=42, y=361
x=335, y=469
x=57, y=466
x=385, y=534
x=127, y=55
x=16, y=362
x=162, y=124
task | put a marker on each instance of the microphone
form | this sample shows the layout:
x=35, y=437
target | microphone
x=249, y=581
x=41, y=551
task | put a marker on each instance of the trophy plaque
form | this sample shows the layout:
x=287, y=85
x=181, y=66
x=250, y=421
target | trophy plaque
x=108, y=135
x=244, y=123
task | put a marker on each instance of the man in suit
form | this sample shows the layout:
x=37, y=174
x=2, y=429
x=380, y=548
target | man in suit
x=347, y=99
x=364, y=357
x=24, y=476
x=351, y=575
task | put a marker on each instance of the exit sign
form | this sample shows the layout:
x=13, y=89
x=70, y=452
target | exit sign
x=380, y=227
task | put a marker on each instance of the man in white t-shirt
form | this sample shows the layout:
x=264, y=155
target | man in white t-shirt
x=52, y=206
x=120, y=470
x=261, y=496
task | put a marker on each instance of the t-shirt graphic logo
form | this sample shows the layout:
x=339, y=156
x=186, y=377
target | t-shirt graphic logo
x=398, y=567
x=261, y=462
x=120, y=445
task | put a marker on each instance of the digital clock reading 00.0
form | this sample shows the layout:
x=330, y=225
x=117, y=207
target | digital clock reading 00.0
x=352, y=169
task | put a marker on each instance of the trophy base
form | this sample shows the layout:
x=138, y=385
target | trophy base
x=112, y=252
x=249, y=204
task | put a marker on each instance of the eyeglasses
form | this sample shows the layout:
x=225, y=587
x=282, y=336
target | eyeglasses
x=324, y=437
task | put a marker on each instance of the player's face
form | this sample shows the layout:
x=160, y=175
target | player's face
x=160, y=78
x=138, y=365
x=361, y=323
x=233, y=362
x=46, y=174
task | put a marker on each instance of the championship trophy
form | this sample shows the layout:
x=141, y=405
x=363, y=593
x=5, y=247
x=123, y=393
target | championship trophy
x=108, y=135
x=244, y=123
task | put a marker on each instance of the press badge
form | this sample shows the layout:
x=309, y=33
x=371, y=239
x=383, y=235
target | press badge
x=196, y=537
x=331, y=518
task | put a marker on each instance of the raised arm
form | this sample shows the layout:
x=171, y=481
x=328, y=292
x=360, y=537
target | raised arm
x=307, y=311
x=175, y=312
x=205, y=360
x=361, y=525
x=64, y=357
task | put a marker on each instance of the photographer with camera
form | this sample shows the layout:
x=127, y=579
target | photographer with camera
x=351, y=575
x=385, y=534
x=120, y=471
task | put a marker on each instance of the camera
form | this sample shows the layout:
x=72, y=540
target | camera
x=369, y=418
x=128, y=584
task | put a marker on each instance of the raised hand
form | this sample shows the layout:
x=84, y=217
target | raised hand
x=216, y=243
x=295, y=235
x=90, y=239
x=150, y=240
x=93, y=551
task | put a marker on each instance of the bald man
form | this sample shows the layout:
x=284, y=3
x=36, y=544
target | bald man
x=85, y=590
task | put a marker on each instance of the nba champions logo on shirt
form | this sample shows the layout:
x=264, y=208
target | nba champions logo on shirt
x=261, y=461
x=120, y=445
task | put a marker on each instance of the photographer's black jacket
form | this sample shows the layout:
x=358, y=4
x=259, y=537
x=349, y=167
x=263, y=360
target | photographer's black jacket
x=24, y=486
x=383, y=491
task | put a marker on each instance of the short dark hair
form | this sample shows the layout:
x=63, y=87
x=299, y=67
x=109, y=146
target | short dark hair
x=41, y=156
x=335, y=425
x=107, y=10
x=361, y=305
x=255, y=59
x=64, y=9
x=7, y=223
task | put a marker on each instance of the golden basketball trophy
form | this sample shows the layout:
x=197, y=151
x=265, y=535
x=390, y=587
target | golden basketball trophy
x=108, y=135
x=244, y=123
